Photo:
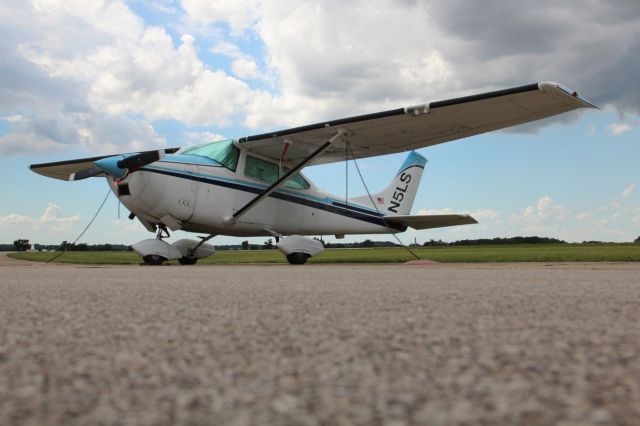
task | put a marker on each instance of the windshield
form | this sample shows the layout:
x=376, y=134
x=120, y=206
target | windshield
x=224, y=152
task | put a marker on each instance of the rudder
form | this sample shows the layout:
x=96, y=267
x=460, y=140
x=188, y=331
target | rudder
x=397, y=198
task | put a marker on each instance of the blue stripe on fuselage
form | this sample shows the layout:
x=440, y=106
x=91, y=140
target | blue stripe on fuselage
x=372, y=217
x=260, y=187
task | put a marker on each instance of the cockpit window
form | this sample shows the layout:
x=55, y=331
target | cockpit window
x=224, y=152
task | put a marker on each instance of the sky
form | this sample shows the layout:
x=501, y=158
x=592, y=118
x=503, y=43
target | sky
x=81, y=78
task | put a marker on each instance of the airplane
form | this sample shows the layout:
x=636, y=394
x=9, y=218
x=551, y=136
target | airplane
x=253, y=186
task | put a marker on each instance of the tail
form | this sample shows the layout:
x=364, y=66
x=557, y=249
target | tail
x=397, y=198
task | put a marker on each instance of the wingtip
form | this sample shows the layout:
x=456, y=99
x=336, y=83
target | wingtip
x=471, y=219
x=547, y=86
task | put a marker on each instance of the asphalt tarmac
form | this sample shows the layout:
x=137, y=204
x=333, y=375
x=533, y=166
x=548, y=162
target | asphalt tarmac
x=320, y=344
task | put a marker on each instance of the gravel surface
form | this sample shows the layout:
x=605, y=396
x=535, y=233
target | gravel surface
x=320, y=344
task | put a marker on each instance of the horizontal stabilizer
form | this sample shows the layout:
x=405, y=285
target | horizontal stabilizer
x=431, y=221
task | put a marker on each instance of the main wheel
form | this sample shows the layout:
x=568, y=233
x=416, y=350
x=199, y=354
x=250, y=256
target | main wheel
x=184, y=260
x=153, y=259
x=297, y=258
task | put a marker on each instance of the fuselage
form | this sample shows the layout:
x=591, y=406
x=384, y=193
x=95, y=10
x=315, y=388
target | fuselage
x=196, y=193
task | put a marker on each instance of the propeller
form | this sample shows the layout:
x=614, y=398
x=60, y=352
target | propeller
x=118, y=166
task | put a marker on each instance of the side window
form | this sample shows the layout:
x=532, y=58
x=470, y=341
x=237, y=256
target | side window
x=296, y=182
x=260, y=169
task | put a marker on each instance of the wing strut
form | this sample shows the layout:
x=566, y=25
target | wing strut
x=277, y=184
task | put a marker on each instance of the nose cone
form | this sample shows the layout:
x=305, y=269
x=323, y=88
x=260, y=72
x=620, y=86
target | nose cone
x=110, y=166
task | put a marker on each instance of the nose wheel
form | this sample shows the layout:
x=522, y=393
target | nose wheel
x=156, y=259
x=153, y=259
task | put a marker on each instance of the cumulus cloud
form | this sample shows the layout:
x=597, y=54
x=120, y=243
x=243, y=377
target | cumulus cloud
x=245, y=68
x=66, y=58
x=484, y=214
x=323, y=66
x=239, y=15
x=50, y=218
x=44, y=133
x=545, y=216
x=227, y=48
x=540, y=210
x=15, y=219
x=619, y=128
x=629, y=190
x=164, y=6
x=194, y=138
x=93, y=75
x=152, y=77
x=446, y=210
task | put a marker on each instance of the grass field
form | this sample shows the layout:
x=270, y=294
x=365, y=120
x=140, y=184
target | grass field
x=486, y=253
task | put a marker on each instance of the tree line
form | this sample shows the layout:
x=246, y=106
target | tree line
x=24, y=244
x=497, y=241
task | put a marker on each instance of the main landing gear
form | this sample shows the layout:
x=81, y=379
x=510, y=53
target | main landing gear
x=184, y=260
x=297, y=258
x=298, y=249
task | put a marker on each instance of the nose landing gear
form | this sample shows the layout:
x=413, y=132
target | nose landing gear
x=155, y=251
x=153, y=259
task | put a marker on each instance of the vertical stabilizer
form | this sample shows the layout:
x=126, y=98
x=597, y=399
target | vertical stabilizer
x=398, y=197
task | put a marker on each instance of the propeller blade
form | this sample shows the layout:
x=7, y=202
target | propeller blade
x=142, y=159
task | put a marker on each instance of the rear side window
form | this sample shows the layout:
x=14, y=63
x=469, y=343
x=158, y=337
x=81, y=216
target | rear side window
x=259, y=169
x=296, y=182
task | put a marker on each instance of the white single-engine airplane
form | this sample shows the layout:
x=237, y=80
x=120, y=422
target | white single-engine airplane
x=252, y=186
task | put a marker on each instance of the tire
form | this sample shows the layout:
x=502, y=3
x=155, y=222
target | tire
x=153, y=259
x=297, y=258
x=184, y=260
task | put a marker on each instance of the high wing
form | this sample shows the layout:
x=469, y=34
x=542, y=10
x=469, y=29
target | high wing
x=431, y=221
x=419, y=126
